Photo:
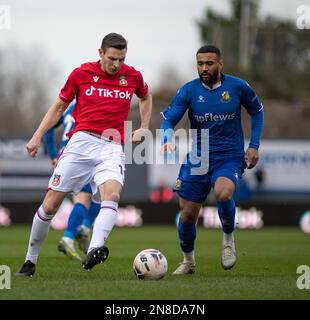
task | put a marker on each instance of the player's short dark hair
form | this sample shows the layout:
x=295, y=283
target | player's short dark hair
x=113, y=40
x=209, y=48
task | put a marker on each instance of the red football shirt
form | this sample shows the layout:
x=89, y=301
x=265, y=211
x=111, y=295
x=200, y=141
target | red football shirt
x=102, y=100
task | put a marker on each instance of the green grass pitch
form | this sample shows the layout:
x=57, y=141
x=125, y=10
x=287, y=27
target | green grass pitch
x=266, y=266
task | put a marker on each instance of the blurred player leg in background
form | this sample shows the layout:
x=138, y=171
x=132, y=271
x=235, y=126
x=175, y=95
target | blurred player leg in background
x=80, y=209
x=84, y=230
x=79, y=224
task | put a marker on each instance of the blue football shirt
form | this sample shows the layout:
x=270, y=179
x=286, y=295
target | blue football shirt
x=219, y=111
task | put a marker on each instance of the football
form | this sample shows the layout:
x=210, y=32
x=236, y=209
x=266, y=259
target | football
x=150, y=264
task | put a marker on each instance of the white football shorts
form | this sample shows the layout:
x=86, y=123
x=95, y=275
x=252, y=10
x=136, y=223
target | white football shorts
x=88, y=159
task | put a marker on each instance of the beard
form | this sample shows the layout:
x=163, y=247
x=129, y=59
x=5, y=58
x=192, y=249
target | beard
x=213, y=78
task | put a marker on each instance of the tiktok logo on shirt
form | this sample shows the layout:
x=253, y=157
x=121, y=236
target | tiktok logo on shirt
x=107, y=93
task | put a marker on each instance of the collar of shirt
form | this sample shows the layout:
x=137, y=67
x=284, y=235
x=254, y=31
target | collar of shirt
x=217, y=85
x=97, y=68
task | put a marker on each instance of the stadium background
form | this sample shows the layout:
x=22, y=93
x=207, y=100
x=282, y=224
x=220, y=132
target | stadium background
x=270, y=51
x=278, y=187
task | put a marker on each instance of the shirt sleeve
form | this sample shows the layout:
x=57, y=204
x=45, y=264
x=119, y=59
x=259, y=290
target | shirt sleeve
x=173, y=114
x=70, y=89
x=257, y=125
x=142, y=88
x=250, y=100
x=255, y=108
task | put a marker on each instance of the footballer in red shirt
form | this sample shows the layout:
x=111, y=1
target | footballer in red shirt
x=94, y=153
x=103, y=99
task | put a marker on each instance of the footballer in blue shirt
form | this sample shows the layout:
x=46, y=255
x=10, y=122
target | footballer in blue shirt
x=217, y=158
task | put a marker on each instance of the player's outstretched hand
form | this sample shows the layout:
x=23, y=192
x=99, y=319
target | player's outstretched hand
x=33, y=146
x=138, y=136
x=251, y=157
x=169, y=147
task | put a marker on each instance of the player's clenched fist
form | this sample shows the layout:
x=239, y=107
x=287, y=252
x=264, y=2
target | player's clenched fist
x=138, y=136
x=33, y=146
x=251, y=157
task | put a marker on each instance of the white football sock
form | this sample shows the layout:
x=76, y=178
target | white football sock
x=228, y=238
x=104, y=224
x=189, y=257
x=39, y=230
x=68, y=241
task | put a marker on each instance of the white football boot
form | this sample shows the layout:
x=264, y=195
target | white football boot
x=66, y=245
x=229, y=256
x=185, y=267
x=83, y=238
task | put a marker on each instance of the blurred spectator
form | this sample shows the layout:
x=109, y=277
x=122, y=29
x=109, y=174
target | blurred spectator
x=161, y=194
x=5, y=219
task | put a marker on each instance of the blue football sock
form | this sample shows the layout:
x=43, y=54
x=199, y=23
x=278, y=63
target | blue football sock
x=187, y=235
x=91, y=214
x=227, y=210
x=75, y=220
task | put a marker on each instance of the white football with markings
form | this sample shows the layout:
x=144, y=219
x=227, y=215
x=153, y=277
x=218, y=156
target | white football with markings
x=150, y=264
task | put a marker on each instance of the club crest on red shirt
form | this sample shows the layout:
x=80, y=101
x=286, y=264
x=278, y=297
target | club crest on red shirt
x=56, y=180
x=123, y=81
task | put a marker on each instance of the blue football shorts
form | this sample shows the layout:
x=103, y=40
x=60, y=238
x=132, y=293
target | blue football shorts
x=196, y=188
x=87, y=189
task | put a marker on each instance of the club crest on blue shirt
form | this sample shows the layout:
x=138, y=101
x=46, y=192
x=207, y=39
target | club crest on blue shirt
x=178, y=184
x=56, y=180
x=123, y=81
x=225, y=97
